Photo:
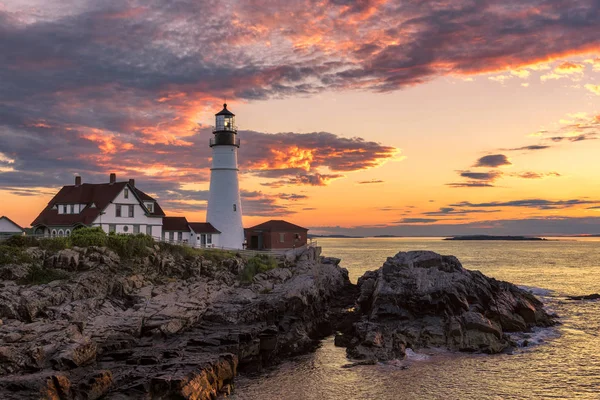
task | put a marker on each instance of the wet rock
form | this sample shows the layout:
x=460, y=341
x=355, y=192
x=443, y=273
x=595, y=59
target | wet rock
x=422, y=299
x=594, y=296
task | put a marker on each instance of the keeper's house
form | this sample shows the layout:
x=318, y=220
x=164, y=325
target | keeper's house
x=275, y=234
x=117, y=207
x=9, y=228
x=196, y=234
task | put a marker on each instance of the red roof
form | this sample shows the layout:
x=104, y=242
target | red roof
x=11, y=221
x=175, y=224
x=203, y=227
x=277, y=225
x=101, y=195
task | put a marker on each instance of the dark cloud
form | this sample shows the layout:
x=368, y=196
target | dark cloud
x=577, y=138
x=371, y=181
x=304, y=179
x=481, y=176
x=532, y=148
x=493, y=161
x=454, y=211
x=469, y=184
x=416, y=221
x=540, y=204
x=536, y=175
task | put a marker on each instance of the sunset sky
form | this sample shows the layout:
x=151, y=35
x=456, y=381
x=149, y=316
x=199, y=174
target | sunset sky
x=359, y=117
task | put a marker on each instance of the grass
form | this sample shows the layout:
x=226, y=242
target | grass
x=214, y=255
x=13, y=255
x=256, y=265
x=38, y=275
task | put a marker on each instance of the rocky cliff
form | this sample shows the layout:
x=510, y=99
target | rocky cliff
x=165, y=326
x=422, y=299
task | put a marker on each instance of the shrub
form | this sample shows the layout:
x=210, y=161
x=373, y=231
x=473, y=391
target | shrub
x=54, y=244
x=85, y=237
x=38, y=275
x=256, y=265
x=13, y=255
x=129, y=246
x=21, y=241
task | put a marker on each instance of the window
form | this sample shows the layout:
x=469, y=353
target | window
x=112, y=228
x=72, y=208
x=180, y=236
x=65, y=209
x=234, y=208
x=297, y=236
x=118, y=210
x=171, y=236
x=150, y=207
x=53, y=232
x=208, y=238
x=67, y=233
x=131, y=211
x=136, y=229
x=149, y=230
x=125, y=228
x=60, y=233
x=281, y=237
x=126, y=193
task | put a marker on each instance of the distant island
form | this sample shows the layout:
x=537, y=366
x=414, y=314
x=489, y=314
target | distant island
x=491, y=237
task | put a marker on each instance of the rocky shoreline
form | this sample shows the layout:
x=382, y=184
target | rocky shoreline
x=171, y=325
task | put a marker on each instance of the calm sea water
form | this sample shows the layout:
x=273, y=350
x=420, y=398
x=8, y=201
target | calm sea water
x=565, y=364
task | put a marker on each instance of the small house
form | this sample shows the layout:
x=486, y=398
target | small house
x=9, y=228
x=275, y=234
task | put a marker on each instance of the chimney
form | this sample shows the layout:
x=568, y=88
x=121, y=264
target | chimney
x=132, y=183
x=78, y=181
x=113, y=178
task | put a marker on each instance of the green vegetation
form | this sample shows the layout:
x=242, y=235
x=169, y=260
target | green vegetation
x=54, y=244
x=13, y=255
x=214, y=255
x=38, y=275
x=257, y=264
x=85, y=237
x=21, y=241
x=129, y=246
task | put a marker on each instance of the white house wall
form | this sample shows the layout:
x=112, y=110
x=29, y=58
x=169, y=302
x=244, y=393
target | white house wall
x=8, y=227
x=139, y=217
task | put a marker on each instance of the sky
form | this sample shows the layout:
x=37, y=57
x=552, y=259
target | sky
x=367, y=117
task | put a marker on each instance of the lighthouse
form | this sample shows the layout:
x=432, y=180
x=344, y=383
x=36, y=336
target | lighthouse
x=224, y=210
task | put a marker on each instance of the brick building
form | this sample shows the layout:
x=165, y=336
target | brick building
x=275, y=234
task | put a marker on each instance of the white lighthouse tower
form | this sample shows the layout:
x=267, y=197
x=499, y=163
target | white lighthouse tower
x=224, y=207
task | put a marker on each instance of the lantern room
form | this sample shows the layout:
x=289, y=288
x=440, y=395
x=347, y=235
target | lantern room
x=225, y=120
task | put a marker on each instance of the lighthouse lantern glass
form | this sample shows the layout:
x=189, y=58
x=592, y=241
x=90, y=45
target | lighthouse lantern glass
x=225, y=123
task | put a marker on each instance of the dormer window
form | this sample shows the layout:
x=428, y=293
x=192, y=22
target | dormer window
x=64, y=209
x=72, y=206
x=149, y=207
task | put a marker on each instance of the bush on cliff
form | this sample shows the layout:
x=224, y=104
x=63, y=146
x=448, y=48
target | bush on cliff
x=187, y=252
x=54, y=244
x=129, y=246
x=13, y=255
x=256, y=265
x=85, y=237
x=21, y=241
x=38, y=275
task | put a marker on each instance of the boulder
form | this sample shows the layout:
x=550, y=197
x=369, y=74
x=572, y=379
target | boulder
x=422, y=299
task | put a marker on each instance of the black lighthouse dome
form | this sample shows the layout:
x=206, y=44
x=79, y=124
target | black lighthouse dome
x=225, y=130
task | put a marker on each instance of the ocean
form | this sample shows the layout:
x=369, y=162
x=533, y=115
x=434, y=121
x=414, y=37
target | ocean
x=563, y=363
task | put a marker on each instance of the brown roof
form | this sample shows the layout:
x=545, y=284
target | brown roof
x=11, y=221
x=177, y=224
x=277, y=225
x=203, y=227
x=101, y=195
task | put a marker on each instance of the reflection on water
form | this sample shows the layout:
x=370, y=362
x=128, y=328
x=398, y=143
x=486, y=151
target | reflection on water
x=566, y=365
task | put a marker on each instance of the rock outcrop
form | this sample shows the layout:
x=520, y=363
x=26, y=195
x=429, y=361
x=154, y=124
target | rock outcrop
x=422, y=299
x=168, y=326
